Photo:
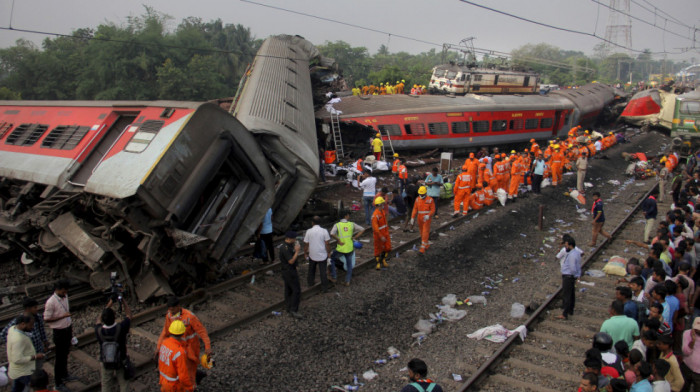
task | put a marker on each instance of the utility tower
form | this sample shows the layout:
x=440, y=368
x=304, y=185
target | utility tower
x=619, y=28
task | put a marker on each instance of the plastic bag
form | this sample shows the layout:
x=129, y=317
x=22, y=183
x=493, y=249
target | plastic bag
x=595, y=273
x=424, y=326
x=369, y=375
x=545, y=183
x=451, y=314
x=477, y=299
x=449, y=300
x=502, y=196
x=517, y=310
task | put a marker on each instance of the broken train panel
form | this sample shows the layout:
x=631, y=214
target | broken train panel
x=276, y=104
x=155, y=190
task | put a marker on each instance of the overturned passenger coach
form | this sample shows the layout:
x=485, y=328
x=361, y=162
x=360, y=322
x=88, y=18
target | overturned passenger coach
x=160, y=191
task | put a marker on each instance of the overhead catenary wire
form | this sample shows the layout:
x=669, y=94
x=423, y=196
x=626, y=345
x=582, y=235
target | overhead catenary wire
x=664, y=29
x=676, y=20
x=543, y=24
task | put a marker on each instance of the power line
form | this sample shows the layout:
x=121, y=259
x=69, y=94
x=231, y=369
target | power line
x=594, y=35
x=679, y=22
x=641, y=20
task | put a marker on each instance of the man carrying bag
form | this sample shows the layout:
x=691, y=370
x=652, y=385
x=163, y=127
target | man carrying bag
x=112, y=339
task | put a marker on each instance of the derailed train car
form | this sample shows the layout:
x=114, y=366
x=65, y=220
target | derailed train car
x=159, y=191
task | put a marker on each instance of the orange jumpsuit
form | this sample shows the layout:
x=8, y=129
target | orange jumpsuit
x=424, y=208
x=500, y=172
x=380, y=229
x=472, y=165
x=399, y=88
x=591, y=150
x=476, y=202
x=535, y=149
x=490, y=178
x=557, y=162
x=173, y=368
x=516, y=178
x=395, y=166
x=359, y=165
x=489, y=196
x=671, y=162
x=193, y=332
x=548, y=152
x=463, y=190
x=365, y=90
x=480, y=174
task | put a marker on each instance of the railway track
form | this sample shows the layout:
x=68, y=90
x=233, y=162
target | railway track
x=551, y=357
x=257, y=295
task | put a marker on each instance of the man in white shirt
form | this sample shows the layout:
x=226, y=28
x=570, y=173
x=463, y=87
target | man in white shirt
x=57, y=316
x=369, y=190
x=316, y=248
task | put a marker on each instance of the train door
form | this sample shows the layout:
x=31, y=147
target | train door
x=101, y=149
x=526, y=81
x=558, y=122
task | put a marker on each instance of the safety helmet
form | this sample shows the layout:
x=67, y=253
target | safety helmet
x=381, y=84
x=586, y=132
x=610, y=133
x=403, y=81
x=340, y=164
x=206, y=361
x=177, y=327
x=422, y=190
x=397, y=82
x=380, y=200
x=513, y=152
x=663, y=159
x=532, y=140
x=379, y=134
x=396, y=155
x=602, y=341
x=551, y=142
x=555, y=146
x=357, y=244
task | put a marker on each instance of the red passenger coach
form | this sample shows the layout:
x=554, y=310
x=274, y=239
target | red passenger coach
x=438, y=121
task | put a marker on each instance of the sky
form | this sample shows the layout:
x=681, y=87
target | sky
x=433, y=21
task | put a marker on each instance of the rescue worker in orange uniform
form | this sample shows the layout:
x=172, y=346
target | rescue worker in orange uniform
x=500, y=172
x=490, y=177
x=489, y=196
x=194, y=330
x=557, y=162
x=517, y=173
x=358, y=166
x=671, y=162
x=402, y=172
x=476, y=202
x=400, y=86
x=535, y=148
x=481, y=171
x=463, y=190
x=549, y=150
x=172, y=361
x=395, y=168
x=382, y=89
x=380, y=230
x=472, y=165
x=365, y=90
x=424, y=209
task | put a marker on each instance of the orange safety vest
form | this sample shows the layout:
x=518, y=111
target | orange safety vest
x=194, y=330
x=477, y=200
x=172, y=366
x=673, y=161
x=557, y=158
x=359, y=165
x=423, y=206
x=403, y=173
x=489, y=197
x=379, y=225
x=395, y=166
x=463, y=182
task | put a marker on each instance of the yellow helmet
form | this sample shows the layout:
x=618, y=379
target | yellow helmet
x=555, y=146
x=586, y=132
x=380, y=200
x=177, y=327
x=381, y=84
x=422, y=190
x=396, y=155
x=397, y=82
x=403, y=81
x=551, y=142
x=379, y=134
x=513, y=152
x=663, y=159
x=206, y=362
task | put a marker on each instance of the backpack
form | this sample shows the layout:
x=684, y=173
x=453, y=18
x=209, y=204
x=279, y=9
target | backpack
x=110, y=355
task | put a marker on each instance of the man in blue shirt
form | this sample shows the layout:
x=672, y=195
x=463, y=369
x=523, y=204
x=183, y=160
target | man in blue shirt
x=598, y=219
x=538, y=166
x=570, y=272
x=265, y=236
x=658, y=293
x=650, y=212
x=434, y=184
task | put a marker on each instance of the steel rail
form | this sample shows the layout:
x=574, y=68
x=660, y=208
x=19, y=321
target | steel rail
x=509, y=344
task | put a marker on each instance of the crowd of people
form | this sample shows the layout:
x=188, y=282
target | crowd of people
x=177, y=351
x=649, y=341
x=388, y=88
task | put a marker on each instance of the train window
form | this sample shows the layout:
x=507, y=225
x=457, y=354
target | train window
x=463, y=78
x=64, y=137
x=391, y=129
x=546, y=123
x=516, y=124
x=26, y=134
x=477, y=78
x=499, y=125
x=687, y=107
x=460, y=127
x=531, y=123
x=415, y=129
x=142, y=138
x=439, y=128
x=4, y=127
x=480, y=126
x=451, y=74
